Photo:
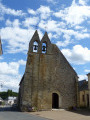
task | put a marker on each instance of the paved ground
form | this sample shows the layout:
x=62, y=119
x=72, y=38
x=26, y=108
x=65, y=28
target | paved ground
x=18, y=116
x=10, y=113
x=64, y=115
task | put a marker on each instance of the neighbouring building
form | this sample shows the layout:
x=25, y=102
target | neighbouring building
x=89, y=87
x=49, y=80
x=83, y=93
x=11, y=100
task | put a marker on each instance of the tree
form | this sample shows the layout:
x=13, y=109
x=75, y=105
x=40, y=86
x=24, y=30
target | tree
x=5, y=95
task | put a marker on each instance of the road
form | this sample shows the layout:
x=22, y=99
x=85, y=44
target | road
x=10, y=114
x=18, y=116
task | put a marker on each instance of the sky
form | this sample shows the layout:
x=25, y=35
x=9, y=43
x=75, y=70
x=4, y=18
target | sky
x=67, y=23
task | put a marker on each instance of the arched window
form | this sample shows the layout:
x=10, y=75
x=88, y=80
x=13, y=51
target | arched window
x=35, y=46
x=44, y=47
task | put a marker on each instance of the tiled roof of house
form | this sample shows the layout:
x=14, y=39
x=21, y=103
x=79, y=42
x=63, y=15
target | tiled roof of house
x=83, y=85
x=22, y=79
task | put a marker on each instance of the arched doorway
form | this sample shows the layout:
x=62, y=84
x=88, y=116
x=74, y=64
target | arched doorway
x=55, y=100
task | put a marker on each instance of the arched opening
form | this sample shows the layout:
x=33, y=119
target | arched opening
x=44, y=47
x=35, y=46
x=55, y=100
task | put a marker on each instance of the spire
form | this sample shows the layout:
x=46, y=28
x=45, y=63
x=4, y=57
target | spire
x=35, y=36
x=46, y=38
x=0, y=46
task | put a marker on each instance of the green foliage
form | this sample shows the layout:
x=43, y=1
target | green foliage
x=3, y=103
x=4, y=95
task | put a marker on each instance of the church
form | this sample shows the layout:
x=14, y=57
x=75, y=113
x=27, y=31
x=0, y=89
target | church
x=49, y=80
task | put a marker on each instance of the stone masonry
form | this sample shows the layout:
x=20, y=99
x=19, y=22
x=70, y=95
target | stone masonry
x=49, y=80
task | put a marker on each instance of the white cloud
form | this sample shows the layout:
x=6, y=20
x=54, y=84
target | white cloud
x=63, y=43
x=83, y=77
x=15, y=23
x=31, y=11
x=78, y=55
x=79, y=27
x=18, y=33
x=87, y=71
x=9, y=75
x=52, y=1
x=67, y=41
x=17, y=38
x=6, y=10
x=10, y=82
x=60, y=28
x=22, y=62
x=52, y=26
x=82, y=2
x=31, y=21
x=75, y=14
x=44, y=11
x=11, y=68
x=77, y=34
x=1, y=58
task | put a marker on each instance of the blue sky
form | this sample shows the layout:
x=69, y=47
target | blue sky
x=67, y=23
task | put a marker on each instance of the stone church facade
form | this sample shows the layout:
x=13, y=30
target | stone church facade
x=49, y=80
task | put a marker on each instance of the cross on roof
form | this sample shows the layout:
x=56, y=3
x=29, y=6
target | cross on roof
x=36, y=27
x=45, y=28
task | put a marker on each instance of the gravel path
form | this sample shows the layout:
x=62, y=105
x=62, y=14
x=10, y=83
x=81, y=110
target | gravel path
x=64, y=115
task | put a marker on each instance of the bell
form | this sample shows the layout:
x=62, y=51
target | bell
x=44, y=48
x=35, y=47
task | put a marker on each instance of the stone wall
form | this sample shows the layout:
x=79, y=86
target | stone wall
x=46, y=74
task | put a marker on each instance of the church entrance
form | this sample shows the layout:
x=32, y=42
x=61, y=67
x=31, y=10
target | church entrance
x=55, y=100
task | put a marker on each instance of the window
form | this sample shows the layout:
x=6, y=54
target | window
x=35, y=46
x=44, y=47
x=83, y=98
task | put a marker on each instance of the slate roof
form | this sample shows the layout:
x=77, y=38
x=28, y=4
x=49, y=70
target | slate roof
x=83, y=85
x=22, y=79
